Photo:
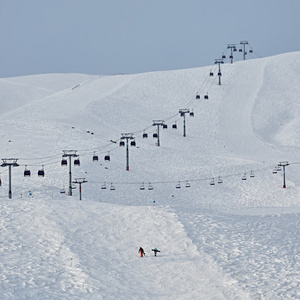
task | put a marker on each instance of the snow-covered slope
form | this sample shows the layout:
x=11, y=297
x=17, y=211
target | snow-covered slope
x=231, y=240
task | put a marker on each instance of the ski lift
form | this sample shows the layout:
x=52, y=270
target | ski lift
x=231, y=56
x=103, y=187
x=206, y=96
x=178, y=186
x=252, y=174
x=150, y=187
x=133, y=143
x=107, y=157
x=142, y=187
x=155, y=135
x=191, y=114
x=250, y=51
x=41, y=173
x=187, y=184
x=245, y=53
x=64, y=162
x=145, y=135
x=112, y=187
x=223, y=56
x=95, y=157
x=122, y=144
x=62, y=191
x=212, y=182
x=76, y=162
x=197, y=96
x=240, y=50
x=234, y=49
x=220, y=179
x=244, y=176
x=211, y=73
x=181, y=114
x=278, y=168
x=174, y=126
x=26, y=172
x=165, y=126
x=275, y=170
x=219, y=74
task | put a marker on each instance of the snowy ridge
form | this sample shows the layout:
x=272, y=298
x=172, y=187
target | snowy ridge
x=231, y=240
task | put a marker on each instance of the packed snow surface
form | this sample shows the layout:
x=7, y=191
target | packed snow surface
x=212, y=202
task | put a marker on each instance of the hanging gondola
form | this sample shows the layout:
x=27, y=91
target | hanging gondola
x=64, y=162
x=211, y=73
x=240, y=50
x=223, y=56
x=26, y=172
x=107, y=157
x=197, y=96
x=95, y=157
x=155, y=135
x=174, y=126
x=191, y=114
x=206, y=96
x=133, y=143
x=76, y=162
x=145, y=135
x=122, y=144
x=41, y=172
x=219, y=74
x=165, y=126
x=231, y=56
x=250, y=51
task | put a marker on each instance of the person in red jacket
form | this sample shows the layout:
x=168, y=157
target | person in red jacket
x=141, y=251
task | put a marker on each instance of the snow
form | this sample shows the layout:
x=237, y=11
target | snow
x=232, y=240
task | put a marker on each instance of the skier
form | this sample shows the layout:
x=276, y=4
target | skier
x=155, y=251
x=141, y=250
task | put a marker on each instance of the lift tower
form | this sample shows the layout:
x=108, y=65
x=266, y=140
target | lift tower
x=219, y=62
x=283, y=164
x=158, y=123
x=70, y=154
x=182, y=114
x=79, y=181
x=127, y=137
x=232, y=48
x=9, y=162
x=244, y=43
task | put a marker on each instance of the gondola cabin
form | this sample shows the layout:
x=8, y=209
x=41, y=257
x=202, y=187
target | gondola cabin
x=107, y=157
x=174, y=126
x=26, y=173
x=165, y=126
x=155, y=135
x=197, y=96
x=145, y=135
x=41, y=173
x=223, y=56
x=240, y=50
x=64, y=162
x=206, y=97
x=122, y=144
x=133, y=143
x=231, y=56
x=191, y=114
x=219, y=74
x=95, y=158
x=211, y=74
x=76, y=162
x=251, y=51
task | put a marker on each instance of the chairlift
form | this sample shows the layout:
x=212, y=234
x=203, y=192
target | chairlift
x=145, y=135
x=41, y=172
x=220, y=179
x=212, y=182
x=122, y=144
x=107, y=157
x=275, y=170
x=155, y=135
x=26, y=172
x=252, y=174
x=142, y=187
x=103, y=187
x=165, y=126
x=174, y=126
x=187, y=184
x=76, y=162
x=244, y=176
x=178, y=186
x=62, y=191
x=150, y=187
x=112, y=187
x=191, y=114
x=197, y=96
x=64, y=162
x=206, y=96
x=278, y=168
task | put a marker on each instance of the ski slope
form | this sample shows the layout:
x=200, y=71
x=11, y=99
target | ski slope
x=231, y=240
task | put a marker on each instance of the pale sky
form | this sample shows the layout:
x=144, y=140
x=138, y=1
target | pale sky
x=134, y=36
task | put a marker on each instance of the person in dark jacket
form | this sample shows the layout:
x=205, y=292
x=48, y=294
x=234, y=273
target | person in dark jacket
x=141, y=251
x=155, y=251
